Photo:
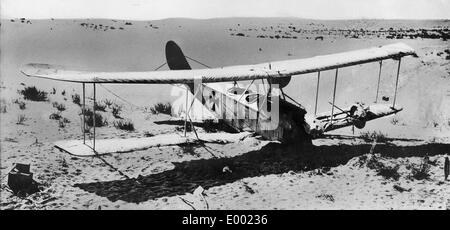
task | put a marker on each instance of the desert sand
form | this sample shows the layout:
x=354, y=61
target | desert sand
x=338, y=172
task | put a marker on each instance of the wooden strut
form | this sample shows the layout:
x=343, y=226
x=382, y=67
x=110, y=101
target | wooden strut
x=282, y=93
x=379, y=77
x=187, y=113
x=317, y=93
x=186, y=109
x=292, y=99
x=93, y=118
x=84, y=114
x=334, y=96
x=396, y=82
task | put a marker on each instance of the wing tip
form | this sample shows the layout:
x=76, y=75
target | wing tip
x=37, y=69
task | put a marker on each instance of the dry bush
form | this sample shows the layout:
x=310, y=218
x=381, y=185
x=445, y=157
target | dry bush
x=124, y=125
x=422, y=171
x=33, y=94
x=165, y=108
x=99, y=120
x=60, y=107
x=383, y=170
x=394, y=121
x=116, y=109
x=328, y=197
x=389, y=172
x=62, y=122
x=76, y=99
x=55, y=116
x=108, y=102
x=100, y=106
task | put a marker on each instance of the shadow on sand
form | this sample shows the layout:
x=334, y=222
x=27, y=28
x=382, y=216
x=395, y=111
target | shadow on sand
x=273, y=158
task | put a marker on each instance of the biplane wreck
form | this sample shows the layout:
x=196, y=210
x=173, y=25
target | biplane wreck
x=238, y=107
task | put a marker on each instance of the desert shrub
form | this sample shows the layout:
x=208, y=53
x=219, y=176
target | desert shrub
x=100, y=107
x=394, y=121
x=373, y=162
x=55, y=116
x=53, y=91
x=65, y=120
x=370, y=136
x=33, y=94
x=387, y=172
x=422, y=171
x=124, y=125
x=58, y=106
x=76, y=99
x=61, y=124
x=63, y=93
x=108, y=102
x=328, y=197
x=165, y=108
x=99, y=120
x=116, y=109
x=21, y=118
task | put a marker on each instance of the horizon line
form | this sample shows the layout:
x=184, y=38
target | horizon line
x=258, y=17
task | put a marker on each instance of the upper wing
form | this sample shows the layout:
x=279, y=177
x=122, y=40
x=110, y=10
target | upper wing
x=231, y=73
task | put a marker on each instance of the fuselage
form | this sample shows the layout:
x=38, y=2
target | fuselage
x=265, y=113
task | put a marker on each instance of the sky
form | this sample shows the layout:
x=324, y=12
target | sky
x=160, y=9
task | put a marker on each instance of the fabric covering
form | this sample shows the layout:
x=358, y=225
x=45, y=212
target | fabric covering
x=231, y=73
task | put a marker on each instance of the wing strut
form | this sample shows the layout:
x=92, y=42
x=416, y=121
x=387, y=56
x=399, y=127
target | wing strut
x=186, y=109
x=317, y=93
x=396, y=82
x=84, y=113
x=334, y=96
x=379, y=77
x=93, y=118
x=189, y=110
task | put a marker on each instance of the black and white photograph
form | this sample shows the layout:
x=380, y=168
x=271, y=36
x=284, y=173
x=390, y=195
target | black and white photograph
x=225, y=105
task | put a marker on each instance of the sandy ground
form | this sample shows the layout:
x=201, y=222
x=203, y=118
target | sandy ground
x=250, y=174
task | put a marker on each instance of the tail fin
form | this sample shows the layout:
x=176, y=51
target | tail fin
x=176, y=59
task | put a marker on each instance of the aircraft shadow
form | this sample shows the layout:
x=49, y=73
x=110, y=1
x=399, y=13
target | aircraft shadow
x=274, y=158
x=210, y=126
